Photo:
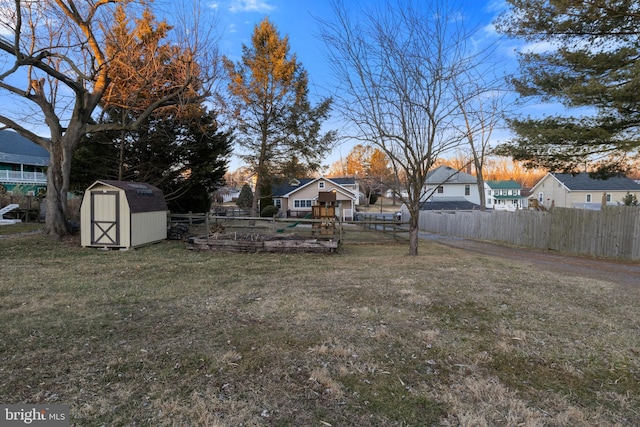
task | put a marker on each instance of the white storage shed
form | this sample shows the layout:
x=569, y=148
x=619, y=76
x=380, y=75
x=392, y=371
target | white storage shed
x=120, y=214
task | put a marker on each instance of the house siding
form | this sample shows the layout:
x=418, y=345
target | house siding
x=557, y=193
x=453, y=182
x=309, y=192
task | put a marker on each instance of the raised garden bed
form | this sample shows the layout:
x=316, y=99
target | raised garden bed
x=254, y=242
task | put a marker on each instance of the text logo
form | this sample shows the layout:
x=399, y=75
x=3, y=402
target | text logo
x=34, y=415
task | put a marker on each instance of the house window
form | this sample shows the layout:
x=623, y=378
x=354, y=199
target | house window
x=608, y=197
x=277, y=203
x=588, y=198
x=541, y=198
x=321, y=185
x=467, y=190
x=440, y=189
x=302, y=203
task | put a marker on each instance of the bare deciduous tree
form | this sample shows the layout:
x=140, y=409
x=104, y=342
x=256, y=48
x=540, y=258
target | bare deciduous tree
x=482, y=105
x=397, y=66
x=54, y=67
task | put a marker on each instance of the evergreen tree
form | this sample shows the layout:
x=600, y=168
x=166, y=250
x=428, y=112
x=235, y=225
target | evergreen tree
x=592, y=69
x=269, y=92
x=245, y=199
x=185, y=157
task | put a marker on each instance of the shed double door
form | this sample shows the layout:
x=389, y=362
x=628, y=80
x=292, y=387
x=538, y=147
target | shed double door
x=105, y=220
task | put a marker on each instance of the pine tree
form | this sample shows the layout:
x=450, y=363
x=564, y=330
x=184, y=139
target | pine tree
x=268, y=89
x=245, y=198
x=592, y=69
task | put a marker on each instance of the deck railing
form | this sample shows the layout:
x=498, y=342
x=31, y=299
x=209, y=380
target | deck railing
x=23, y=177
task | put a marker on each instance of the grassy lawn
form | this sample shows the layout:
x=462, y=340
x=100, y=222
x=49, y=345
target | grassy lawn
x=20, y=227
x=163, y=336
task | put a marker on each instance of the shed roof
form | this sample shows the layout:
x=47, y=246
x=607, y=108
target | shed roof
x=142, y=197
x=583, y=182
x=15, y=148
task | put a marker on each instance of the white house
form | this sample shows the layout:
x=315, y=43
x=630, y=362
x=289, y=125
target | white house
x=504, y=195
x=446, y=184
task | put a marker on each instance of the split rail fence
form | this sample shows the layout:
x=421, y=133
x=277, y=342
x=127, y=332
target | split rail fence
x=365, y=228
x=613, y=232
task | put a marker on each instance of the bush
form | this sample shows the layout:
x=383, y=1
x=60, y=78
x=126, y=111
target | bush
x=245, y=199
x=269, y=211
x=630, y=200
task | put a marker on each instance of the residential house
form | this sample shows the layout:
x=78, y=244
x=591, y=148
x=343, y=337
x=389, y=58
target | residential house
x=446, y=184
x=504, y=195
x=226, y=194
x=581, y=191
x=296, y=197
x=22, y=165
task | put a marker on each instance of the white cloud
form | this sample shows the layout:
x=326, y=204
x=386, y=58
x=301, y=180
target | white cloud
x=250, y=6
x=214, y=5
x=539, y=47
x=496, y=6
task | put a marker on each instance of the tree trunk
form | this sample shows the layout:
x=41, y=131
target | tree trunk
x=480, y=183
x=56, y=210
x=257, y=193
x=414, y=216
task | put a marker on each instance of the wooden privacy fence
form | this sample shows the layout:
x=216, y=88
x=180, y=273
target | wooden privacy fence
x=613, y=232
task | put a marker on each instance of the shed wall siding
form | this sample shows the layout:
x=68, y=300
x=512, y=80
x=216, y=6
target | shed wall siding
x=148, y=227
x=125, y=221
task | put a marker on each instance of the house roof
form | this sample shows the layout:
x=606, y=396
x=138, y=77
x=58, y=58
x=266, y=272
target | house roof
x=503, y=185
x=448, y=204
x=583, y=182
x=284, y=189
x=15, y=148
x=142, y=197
x=449, y=175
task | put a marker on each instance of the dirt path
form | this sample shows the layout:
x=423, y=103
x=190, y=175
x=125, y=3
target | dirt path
x=622, y=273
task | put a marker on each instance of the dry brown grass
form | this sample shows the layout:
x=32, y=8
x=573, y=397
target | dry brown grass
x=163, y=336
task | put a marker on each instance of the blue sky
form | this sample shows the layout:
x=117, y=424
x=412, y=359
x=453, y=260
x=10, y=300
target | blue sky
x=298, y=19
